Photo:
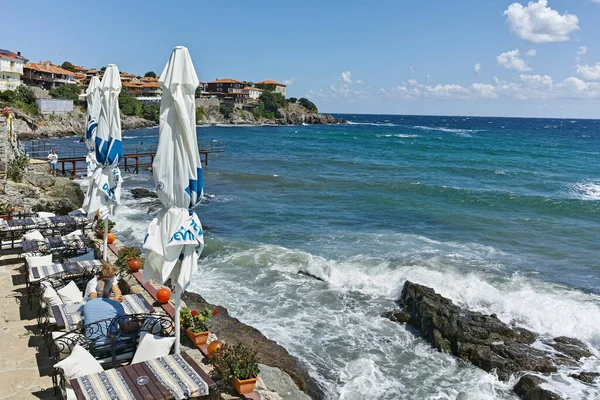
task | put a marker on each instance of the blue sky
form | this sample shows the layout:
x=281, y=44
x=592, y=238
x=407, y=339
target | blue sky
x=535, y=59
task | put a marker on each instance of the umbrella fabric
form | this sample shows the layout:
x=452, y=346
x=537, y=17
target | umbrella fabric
x=104, y=191
x=93, y=113
x=175, y=238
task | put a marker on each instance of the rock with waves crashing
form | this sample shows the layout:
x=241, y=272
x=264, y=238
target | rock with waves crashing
x=310, y=275
x=270, y=353
x=484, y=340
x=529, y=388
x=141, y=193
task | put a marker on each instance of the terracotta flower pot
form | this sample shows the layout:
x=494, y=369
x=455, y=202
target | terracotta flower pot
x=245, y=386
x=134, y=264
x=198, y=338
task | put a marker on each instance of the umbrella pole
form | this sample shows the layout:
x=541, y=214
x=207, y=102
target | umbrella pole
x=105, y=252
x=177, y=319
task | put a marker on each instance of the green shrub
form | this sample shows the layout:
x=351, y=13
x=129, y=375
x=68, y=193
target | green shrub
x=199, y=114
x=293, y=100
x=24, y=94
x=260, y=112
x=16, y=167
x=67, y=92
x=309, y=105
x=226, y=111
x=151, y=111
x=129, y=105
x=7, y=96
x=150, y=74
x=272, y=101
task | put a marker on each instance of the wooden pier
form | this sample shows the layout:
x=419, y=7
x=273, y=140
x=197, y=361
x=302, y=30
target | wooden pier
x=130, y=162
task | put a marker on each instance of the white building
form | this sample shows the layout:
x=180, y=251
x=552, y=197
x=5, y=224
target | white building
x=11, y=69
x=253, y=93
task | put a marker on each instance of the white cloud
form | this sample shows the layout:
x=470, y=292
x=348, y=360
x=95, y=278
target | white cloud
x=531, y=53
x=589, y=72
x=358, y=82
x=477, y=69
x=511, y=60
x=538, y=23
x=289, y=81
x=483, y=90
x=596, y=1
x=411, y=70
x=346, y=77
x=583, y=49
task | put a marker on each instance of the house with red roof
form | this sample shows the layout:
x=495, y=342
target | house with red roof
x=47, y=75
x=11, y=69
x=271, y=85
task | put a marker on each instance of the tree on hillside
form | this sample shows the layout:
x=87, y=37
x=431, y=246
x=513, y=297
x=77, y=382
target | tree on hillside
x=68, y=66
x=68, y=92
x=151, y=112
x=25, y=94
x=293, y=100
x=309, y=105
x=103, y=69
x=272, y=101
x=129, y=105
x=150, y=74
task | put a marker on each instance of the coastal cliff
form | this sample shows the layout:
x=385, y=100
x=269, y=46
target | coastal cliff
x=208, y=112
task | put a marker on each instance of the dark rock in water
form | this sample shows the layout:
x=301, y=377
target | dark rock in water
x=483, y=340
x=268, y=351
x=587, y=377
x=141, y=193
x=571, y=347
x=311, y=275
x=528, y=388
x=397, y=316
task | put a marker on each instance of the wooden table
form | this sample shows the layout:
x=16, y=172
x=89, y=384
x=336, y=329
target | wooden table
x=72, y=314
x=162, y=383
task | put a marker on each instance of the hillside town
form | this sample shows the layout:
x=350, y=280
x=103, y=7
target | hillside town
x=15, y=69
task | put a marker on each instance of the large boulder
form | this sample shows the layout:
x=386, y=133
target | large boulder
x=141, y=193
x=270, y=353
x=40, y=180
x=482, y=339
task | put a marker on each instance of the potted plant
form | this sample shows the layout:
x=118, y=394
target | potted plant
x=130, y=256
x=194, y=324
x=237, y=364
x=100, y=228
x=6, y=211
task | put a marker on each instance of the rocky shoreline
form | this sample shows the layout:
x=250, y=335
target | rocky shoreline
x=489, y=343
x=56, y=126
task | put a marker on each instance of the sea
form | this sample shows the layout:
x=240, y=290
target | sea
x=501, y=215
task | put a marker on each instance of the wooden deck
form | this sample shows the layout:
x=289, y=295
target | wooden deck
x=132, y=163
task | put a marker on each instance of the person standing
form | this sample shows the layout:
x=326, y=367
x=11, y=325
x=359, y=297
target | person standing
x=53, y=160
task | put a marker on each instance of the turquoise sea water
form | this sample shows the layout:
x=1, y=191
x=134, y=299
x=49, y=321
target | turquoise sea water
x=501, y=215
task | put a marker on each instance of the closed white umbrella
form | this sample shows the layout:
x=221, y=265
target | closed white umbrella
x=175, y=239
x=104, y=191
x=93, y=113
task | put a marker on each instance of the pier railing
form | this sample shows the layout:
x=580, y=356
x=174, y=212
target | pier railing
x=72, y=163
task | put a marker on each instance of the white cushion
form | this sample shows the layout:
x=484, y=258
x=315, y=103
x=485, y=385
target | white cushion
x=79, y=363
x=75, y=233
x=43, y=214
x=50, y=297
x=33, y=235
x=39, y=261
x=69, y=344
x=152, y=347
x=70, y=294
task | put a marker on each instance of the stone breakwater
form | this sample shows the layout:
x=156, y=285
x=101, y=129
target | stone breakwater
x=489, y=343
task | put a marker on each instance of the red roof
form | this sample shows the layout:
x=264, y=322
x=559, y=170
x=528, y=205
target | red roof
x=269, y=82
x=226, y=80
x=48, y=67
x=11, y=56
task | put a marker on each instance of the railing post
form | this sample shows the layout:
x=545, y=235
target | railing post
x=137, y=163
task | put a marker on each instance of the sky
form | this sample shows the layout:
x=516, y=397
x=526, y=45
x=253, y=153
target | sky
x=431, y=57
